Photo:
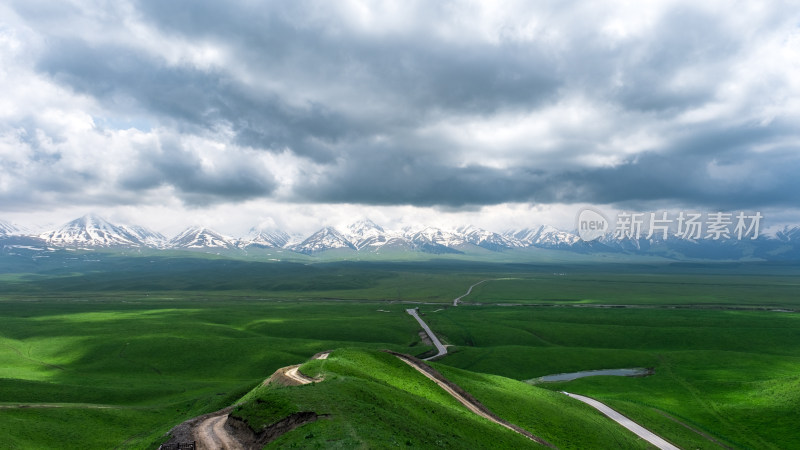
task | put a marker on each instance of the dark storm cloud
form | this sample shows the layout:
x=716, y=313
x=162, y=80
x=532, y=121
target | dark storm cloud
x=684, y=174
x=649, y=178
x=171, y=163
x=191, y=100
x=410, y=79
x=359, y=105
x=414, y=67
x=682, y=39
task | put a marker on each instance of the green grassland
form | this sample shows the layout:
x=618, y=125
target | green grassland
x=107, y=350
x=127, y=369
x=95, y=274
x=666, y=286
x=374, y=400
x=732, y=374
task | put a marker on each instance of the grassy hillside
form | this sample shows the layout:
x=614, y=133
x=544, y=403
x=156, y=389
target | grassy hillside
x=730, y=373
x=746, y=400
x=374, y=400
x=94, y=374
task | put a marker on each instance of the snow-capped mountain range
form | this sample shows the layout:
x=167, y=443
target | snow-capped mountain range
x=200, y=238
x=265, y=238
x=325, y=239
x=92, y=231
x=543, y=236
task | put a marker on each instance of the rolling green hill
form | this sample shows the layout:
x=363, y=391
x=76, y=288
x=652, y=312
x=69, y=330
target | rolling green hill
x=371, y=399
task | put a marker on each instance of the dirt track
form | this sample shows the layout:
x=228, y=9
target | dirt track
x=295, y=375
x=211, y=435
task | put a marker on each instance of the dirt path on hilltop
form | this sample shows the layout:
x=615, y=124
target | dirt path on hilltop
x=212, y=435
x=291, y=375
x=210, y=432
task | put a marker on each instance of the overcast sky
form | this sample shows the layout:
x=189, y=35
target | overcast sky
x=297, y=114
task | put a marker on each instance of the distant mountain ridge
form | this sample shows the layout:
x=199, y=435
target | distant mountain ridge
x=264, y=238
x=92, y=231
x=200, y=238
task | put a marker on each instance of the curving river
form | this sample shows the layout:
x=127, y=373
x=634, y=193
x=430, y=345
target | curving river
x=635, y=372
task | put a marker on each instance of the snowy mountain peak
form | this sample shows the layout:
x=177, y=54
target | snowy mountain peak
x=438, y=236
x=325, y=239
x=366, y=233
x=94, y=231
x=543, y=236
x=364, y=226
x=201, y=237
x=435, y=240
x=486, y=239
x=262, y=237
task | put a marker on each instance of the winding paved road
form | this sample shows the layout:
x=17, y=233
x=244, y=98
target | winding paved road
x=457, y=300
x=639, y=430
x=442, y=350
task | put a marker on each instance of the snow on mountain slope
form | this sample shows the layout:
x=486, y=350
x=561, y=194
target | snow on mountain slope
x=434, y=240
x=367, y=234
x=200, y=238
x=486, y=239
x=325, y=239
x=147, y=236
x=94, y=231
x=7, y=229
x=265, y=238
x=431, y=235
x=543, y=236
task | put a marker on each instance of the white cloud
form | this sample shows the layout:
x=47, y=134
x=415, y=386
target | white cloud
x=234, y=112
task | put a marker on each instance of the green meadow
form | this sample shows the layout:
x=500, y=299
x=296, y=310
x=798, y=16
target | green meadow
x=99, y=373
x=662, y=286
x=732, y=374
x=374, y=400
x=112, y=351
